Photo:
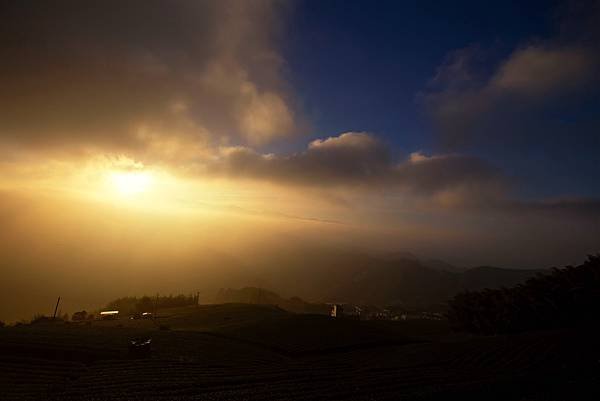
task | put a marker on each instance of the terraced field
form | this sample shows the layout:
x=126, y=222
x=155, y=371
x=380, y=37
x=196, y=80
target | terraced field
x=278, y=356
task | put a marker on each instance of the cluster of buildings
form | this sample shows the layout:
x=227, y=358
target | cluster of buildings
x=341, y=310
x=108, y=315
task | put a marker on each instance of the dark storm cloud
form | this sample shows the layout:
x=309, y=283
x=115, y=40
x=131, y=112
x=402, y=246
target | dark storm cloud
x=359, y=159
x=113, y=73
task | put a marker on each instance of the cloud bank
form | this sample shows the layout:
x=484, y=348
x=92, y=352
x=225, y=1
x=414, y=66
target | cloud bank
x=360, y=160
x=528, y=95
x=123, y=76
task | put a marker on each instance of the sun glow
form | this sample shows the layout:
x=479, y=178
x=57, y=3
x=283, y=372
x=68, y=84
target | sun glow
x=131, y=183
x=126, y=184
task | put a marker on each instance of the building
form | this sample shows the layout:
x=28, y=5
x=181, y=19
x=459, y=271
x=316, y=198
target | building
x=337, y=310
x=109, y=315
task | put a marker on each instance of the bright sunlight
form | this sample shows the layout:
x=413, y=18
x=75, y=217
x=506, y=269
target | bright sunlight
x=131, y=183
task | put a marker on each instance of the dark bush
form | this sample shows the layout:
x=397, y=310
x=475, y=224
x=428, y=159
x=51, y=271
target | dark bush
x=79, y=316
x=563, y=298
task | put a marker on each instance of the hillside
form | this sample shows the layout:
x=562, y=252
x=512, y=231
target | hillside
x=260, y=296
x=412, y=284
x=560, y=299
x=400, y=282
x=252, y=352
x=314, y=274
x=494, y=277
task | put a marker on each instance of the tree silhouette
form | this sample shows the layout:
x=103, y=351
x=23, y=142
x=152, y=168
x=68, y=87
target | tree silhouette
x=563, y=298
x=128, y=305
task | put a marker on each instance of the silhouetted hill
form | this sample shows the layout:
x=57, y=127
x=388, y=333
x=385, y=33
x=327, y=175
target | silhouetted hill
x=435, y=264
x=494, y=277
x=258, y=352
x=325, y=274
x=415, y=285
x=561, y=298
x=305, y=282
x=260, y=296
x=403, y=283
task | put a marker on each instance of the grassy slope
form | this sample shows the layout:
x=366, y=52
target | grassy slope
x=255, y=352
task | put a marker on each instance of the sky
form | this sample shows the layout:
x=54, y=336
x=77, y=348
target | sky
x=154, y=133
x=389, y=56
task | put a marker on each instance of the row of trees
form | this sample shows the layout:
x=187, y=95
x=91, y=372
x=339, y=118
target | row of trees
x=563, y=298
x=149, y=304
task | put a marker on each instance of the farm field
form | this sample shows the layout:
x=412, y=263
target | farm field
x=243, y=352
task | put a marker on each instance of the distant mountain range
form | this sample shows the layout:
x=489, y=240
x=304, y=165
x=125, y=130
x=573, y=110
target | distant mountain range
x=413, y=284
x=400, y=280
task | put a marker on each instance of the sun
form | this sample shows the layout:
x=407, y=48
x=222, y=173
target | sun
x=131, y=183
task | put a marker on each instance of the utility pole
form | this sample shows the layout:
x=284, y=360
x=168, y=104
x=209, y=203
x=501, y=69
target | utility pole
x=56, y=308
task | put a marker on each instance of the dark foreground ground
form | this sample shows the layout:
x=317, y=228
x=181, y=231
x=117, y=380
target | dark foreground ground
x=242, y=352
